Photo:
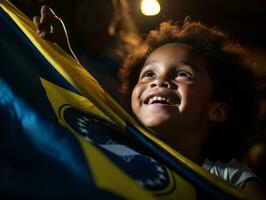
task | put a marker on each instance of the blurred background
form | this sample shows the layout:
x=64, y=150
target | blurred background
x=244, y=20
x=88, y=25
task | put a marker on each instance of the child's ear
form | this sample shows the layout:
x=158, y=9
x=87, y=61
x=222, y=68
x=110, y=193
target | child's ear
x=218, y=112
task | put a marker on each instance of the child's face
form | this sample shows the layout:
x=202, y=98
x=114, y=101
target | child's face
x=174, y=90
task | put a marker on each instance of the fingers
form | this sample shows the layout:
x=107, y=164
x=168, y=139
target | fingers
x=51, y=27
x=36, y=22
x=47, y=23
x=48, y=17
x=41, y=28
x=46, y=14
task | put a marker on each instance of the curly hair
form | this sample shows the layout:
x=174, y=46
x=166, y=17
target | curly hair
x=232, y=74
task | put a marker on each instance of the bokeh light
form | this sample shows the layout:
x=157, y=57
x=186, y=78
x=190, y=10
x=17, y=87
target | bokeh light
x=150, y=7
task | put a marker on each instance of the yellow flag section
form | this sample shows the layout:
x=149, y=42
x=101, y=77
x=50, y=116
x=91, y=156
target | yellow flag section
x=107, y=174
x=88, y=86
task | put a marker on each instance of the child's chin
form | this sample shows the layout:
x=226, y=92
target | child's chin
x=156, y=123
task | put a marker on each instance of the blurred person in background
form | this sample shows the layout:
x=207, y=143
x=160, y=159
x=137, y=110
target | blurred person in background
x=255, y=158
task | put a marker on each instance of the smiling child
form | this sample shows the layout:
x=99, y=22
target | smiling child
x=194, y=89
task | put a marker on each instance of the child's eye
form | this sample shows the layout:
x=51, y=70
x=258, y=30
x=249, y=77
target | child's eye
x=184, y=74
x=148, y=73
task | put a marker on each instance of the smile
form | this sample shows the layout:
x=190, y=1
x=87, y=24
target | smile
x=162, y=99
x=159, y=99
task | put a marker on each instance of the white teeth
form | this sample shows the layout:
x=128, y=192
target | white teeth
x=158, y=98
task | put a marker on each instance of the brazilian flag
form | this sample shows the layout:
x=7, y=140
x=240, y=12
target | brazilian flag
x=63, y=137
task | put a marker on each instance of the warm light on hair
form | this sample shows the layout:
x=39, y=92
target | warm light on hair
x=150, y=7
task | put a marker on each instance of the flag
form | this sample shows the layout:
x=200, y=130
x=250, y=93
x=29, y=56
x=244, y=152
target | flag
x=63, y=136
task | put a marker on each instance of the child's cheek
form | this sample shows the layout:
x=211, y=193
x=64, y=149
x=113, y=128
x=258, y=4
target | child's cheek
x=135, y=96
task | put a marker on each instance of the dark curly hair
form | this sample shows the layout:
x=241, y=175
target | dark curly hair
x=232, y=75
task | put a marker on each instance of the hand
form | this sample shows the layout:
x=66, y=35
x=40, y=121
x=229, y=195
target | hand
x=51, y=27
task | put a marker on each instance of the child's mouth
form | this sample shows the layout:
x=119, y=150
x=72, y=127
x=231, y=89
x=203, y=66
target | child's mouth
x=167, y=99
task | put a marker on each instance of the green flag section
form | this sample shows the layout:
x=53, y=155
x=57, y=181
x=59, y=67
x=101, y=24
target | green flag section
x=63, y=136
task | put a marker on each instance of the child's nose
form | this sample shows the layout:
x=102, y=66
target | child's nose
x=160, y=83
x=163, y=83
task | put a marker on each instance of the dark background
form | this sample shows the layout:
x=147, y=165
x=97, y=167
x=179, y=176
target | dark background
x=244, y=20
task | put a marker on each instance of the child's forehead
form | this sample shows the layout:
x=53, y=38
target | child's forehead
x=173, y=63
x=177, y=52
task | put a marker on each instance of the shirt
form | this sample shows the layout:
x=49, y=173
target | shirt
x=232, y=171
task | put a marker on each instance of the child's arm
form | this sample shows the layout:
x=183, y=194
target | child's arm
x=255, y=187
x=52, y=28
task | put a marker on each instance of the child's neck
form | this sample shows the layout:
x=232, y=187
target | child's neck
x=191, y=152
x=188, y=144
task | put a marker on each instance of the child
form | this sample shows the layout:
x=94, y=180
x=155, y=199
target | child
x=194, y=89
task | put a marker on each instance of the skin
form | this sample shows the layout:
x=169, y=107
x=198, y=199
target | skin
x=255, y=187
x=177, y=72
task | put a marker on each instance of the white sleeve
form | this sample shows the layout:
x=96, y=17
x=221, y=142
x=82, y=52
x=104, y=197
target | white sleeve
x=239, y=173
x=233, y=171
